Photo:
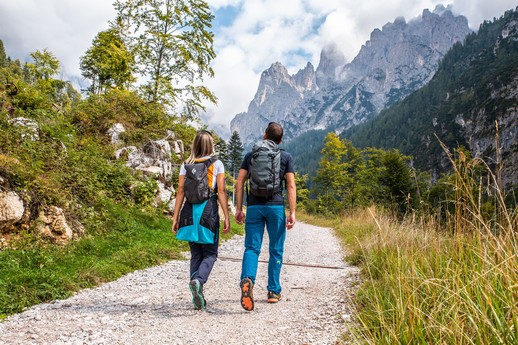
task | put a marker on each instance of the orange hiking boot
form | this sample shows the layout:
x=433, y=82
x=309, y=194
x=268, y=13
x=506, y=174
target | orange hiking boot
x=247, y=297
x=273, y=297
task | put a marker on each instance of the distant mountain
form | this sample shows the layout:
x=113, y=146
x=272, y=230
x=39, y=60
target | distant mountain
x=397, y=60
x=475, y=87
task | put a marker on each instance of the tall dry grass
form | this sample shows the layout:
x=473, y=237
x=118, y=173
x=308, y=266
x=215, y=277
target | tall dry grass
x=449, y=278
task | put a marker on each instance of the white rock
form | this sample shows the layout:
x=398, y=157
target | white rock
x=164, y=194
x=29, y=125
x=11, y=208
x=115, y=131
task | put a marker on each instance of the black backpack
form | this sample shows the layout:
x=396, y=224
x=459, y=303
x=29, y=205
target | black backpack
x=265, y=166
x=196, y=185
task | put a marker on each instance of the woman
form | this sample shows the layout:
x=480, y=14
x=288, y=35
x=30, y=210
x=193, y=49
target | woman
x=203, y=255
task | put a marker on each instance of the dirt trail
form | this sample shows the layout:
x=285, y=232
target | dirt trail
x=153, y=306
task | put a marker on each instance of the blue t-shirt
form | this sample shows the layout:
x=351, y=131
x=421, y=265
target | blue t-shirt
x=287, y=166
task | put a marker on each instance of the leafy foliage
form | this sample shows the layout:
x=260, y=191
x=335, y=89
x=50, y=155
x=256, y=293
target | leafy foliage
x=173, y=48
x=349, y=178
x=107, y=63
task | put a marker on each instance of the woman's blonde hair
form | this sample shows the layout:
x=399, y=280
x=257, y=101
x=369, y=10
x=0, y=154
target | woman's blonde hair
x=202, y=146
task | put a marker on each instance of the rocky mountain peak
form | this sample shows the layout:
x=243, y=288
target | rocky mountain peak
x=331, y=58
x=397, y=59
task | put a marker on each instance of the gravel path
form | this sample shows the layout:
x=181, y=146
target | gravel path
x=153, y=306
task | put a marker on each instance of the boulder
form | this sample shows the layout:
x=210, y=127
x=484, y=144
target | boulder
x=131, y=154
x=11, y=209
x=171, y=204
x=158, y=149
x=178, y=148
x=164, y=193
x=53, y=224
x=115, y=131
x=149, y=170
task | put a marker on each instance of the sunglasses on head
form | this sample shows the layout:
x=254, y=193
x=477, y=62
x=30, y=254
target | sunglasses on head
x=205, y=131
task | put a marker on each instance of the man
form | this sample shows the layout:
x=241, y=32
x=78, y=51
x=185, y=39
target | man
x=267, y=211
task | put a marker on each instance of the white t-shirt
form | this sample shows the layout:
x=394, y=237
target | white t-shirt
x=218, y=169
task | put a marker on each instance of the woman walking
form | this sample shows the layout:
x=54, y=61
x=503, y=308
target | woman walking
x=202, y=184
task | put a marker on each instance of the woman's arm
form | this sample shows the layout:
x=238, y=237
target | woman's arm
x=178, y=204
x=223, y=202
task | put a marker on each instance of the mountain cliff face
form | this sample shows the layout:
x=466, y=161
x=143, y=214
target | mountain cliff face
x=397, y=60
x=472, y=101
x=278, y=93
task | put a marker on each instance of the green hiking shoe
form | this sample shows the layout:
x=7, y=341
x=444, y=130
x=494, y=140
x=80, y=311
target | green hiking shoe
x=197, y=294
x=247, y=297
x=273, y=297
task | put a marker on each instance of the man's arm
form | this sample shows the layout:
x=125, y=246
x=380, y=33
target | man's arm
x=241, y=178
x=292, y=198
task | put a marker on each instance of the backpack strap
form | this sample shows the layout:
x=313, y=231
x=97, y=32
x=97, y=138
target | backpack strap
x=208, y=162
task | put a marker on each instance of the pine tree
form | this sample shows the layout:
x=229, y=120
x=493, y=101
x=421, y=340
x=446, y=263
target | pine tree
x=235, y=152
x=221, y=149
x=235, y=156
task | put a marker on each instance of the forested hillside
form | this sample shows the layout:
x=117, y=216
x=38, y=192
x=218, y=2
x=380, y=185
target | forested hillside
x=474, y=88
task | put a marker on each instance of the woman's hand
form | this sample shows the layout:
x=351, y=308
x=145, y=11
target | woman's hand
x=226, y=226
x=174, y=228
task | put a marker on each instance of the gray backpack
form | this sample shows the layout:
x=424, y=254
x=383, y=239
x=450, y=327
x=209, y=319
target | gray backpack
x=265, y=166
x=196, y=185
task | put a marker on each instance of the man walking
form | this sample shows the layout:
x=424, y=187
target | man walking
x=265, y=168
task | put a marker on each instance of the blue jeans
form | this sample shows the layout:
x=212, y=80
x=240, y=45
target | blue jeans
x=257, y=216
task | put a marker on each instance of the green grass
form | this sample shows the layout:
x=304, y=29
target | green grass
x=38, y=272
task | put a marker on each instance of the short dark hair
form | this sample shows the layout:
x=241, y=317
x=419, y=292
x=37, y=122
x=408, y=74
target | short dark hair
x=274, y=132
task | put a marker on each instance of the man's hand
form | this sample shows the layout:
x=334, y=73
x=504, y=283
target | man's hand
x=290, y=221
x=240, y=217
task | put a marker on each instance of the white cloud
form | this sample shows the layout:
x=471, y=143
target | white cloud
x=261, y=32
x=65, y=27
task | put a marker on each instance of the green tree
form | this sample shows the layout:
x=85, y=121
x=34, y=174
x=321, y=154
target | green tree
x=396, y=181
x=221, y=149
x=301, y=181
x=107, y=63
x=173, y=48
x=330, y=177
x=45, y=65
x=3, y=55
x=353, y=165
x=235, y=156
x=235, y=153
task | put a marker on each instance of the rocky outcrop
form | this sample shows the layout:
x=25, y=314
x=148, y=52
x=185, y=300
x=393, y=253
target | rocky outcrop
x=53, y=224
x=397, y=59
x=51, y=221
x=155, y=160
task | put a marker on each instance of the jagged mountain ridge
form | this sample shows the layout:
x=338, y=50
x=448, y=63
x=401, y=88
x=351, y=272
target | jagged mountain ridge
x=397, y=60
x=474, y=89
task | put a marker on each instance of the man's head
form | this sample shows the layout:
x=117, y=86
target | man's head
x=274, y=132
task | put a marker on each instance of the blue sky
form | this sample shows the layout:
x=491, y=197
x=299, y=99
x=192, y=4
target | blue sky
x=250, y=35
